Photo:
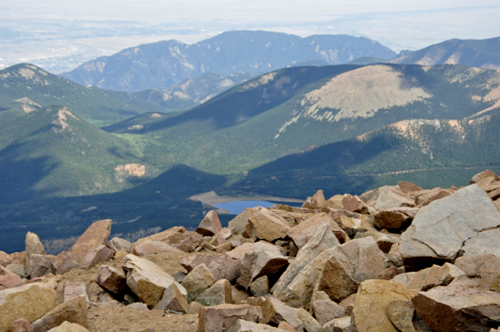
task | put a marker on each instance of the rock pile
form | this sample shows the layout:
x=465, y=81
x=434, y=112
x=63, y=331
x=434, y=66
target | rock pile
x=398, y=258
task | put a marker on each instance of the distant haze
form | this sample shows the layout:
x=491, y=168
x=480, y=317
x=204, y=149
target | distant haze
x=76, y=31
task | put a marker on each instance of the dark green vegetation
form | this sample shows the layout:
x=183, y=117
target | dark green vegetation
x=475, y=53
x=163, y=64
x=286, y=133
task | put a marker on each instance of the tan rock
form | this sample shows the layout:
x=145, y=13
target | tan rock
x=74, y=289
x=239, y=296
x=285, y=326
x=96, y=255
x=30, y=301
x=353, y=204
x=63, y=262
x=267, y=226
x=348, y=304
x=428, y=196
x=395, y=219
x=325, y=310
x=118, y=244
x=274, y=311
x=97, y=234
x=335, y=202
x=301, y=233
x=408, y=187
x=317, y=201
x=197, y=281
x=69, y=327
x=111, y=279
x=171, y=236
x=33, y=246
x=173, y=299
x=458, y=308
x=246, y=326
x=434, y=276
x=73, y=311
x=484, y=174
x=151, y=247
x=310, y=324
x=390, y=197
x=224, y=316
x=148, y=281
x=8, y=279
x=240, y=222
x=475, y=263
x=401, y=313
x=5, y=259
x=194, y=308
x=259, y=263
x=343, y=324
x=21, y=325
x=221, y=266
x=395, y=256
x=210, y=225
x=372, y=301
x=219, y=293
x=260, y=286
x=190, y=243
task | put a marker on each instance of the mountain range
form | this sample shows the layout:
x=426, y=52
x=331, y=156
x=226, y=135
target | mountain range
x=286, y=132
x=164, y=64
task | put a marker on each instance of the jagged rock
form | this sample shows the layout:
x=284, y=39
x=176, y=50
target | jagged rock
x=317, y=201
x=484, y=174
x=335, y=202
x=395, y=219
x=390, y=198
x=118, y=244
x=430, y=277
x=73, y=311
x=352, y=223
x=353, y=204
x=224, y=316
x=274, y=311
x=260, y=286
x=372, y=300
x=219, y=293
x=97, y=234
x=439, y=230
x=240, y=222
x=239, y=296
x=343, y=324
x=475, y=263
x=458, y=308
x=17, y=269
x=33, y=246
x=401, y=313
x=210, y=225
x=151, y=247
x=428, y=196
x=246, y=326
x=301, y=233
x=221, y=266
x=63, y=262
x=21, y=325
x=69, y=327
x=29, y=301
x=321, y=240
x=149, y=282
x=39, y=266
x=190, y=243
x=350, y=264
x=408, y=187
x=96, y=255
x=170, y=236
x=267, y=225
x=196, y=281
x=260, y=262
x=348, y=304
x=8, y=279
x=310, y=324
x=5, y=258
x=285, y=326
x=74, y=289
x=173, y=299
x=111, y=279
x=325, y=310
x=395, y=256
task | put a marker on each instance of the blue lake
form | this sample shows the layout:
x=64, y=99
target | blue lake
x=239, y=206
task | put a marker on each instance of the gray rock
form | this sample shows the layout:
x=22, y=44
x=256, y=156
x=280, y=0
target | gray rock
x=118, y=244
x=33, y=246
x=39, y=266
x=96, y=255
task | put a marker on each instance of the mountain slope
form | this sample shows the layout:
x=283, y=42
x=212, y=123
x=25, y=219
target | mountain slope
x=475, y=53
x=163, y=64
x=52, y=152
x=27, y=87
x=292, y=109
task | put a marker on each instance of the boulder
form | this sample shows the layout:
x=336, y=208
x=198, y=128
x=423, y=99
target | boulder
x=274, y=311
x=320, y=241
x=219, y=293
x=30, y=302
x=484, y=174
x=118, y=244
x=240, y=222
x=408, y=187
x=69, y=327
x=149, y=282
x=151, y=247
x=224, y=316
x=96, y=255
x=439, y=230
x=317, y=201
x=430, y=277
x=73, y=311
x=400, y=313
x=310, y=324
x=353, y=204
x=111, y=279
x=372, y=300
x=97, y=234
x=246, y=326
x=63, y=262
x=325, y=310
x=259, y=263
x=221, y=266
x=260, y=286
x=390, y=198
x=74, y=289
x=458, y=308
x=33, y=246
x=210, y=224
x=39, y=266
x=196, y=281
x=395, y=219
x=21, y=325
x=267, y=225
x=301, y=233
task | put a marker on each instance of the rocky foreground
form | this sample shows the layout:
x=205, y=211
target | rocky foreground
x=398, y=258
